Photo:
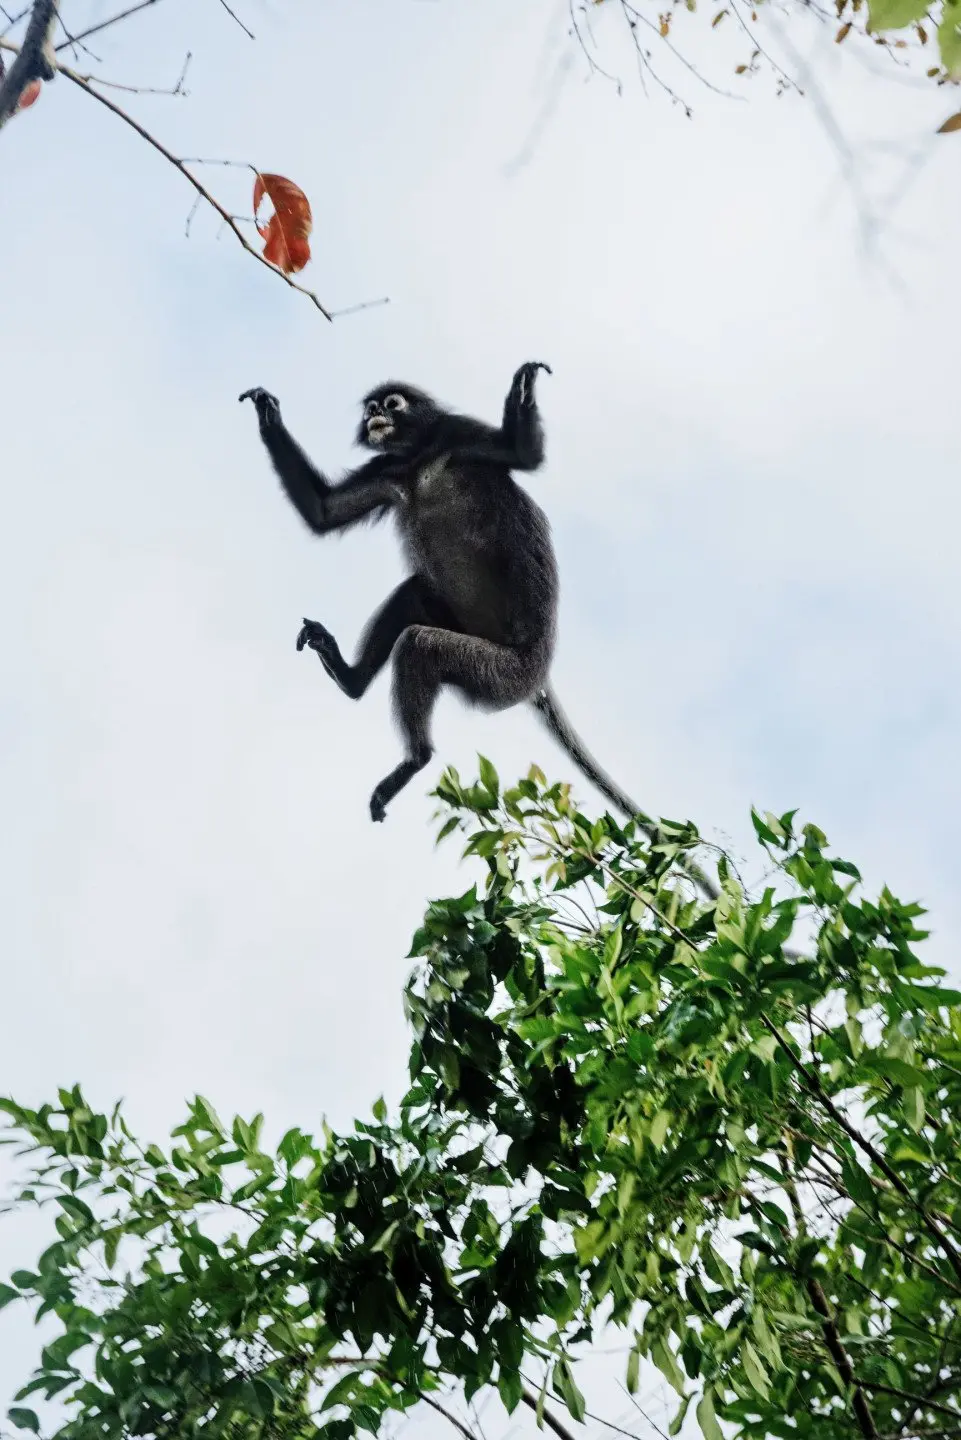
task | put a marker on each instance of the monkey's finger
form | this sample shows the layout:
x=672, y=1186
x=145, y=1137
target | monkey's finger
x=542, y=365
x=248, y=395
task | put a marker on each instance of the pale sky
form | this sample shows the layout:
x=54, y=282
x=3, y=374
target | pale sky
x=751, y=479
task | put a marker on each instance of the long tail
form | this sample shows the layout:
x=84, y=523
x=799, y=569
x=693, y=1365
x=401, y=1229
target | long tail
x=552, y=713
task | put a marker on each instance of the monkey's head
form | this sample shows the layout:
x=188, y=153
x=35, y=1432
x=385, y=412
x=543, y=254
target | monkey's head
x=397, y=418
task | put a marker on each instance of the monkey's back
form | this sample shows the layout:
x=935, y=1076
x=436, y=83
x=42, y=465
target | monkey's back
x=485, y=548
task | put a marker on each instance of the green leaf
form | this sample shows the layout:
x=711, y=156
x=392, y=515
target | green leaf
x=510, y=1387
x=633, y=1370
x=895, y=14
x=949, y=44
x=754, y=1370
x=7, y=1293
x=383, y=1240
x=677, y=1423
x=488, y=776
x=706, y=1417
x=24, y=1419
x=659, y=1128
x=76, y=1207
x=896, y=1070
x=573, y=1399
x=208, y=1115
x=449, y=1065
x=664, y=1360
x=447, y=828
x=913, y=1107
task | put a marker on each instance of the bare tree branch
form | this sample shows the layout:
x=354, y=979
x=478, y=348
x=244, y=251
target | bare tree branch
x=85, y=84
x=34, y=58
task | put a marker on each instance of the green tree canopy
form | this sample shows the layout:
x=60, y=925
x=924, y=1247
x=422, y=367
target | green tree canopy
x=728, y=1128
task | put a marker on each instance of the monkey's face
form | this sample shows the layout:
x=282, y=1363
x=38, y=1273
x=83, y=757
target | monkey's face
x=396, y=419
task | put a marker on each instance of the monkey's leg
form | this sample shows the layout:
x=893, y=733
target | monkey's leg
x=427, y=658
x=412, y=603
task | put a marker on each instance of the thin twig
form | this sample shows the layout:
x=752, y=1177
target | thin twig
x=237, y=18
x=361, y=305
x=643, y=1413
x=454, y=1420
x=550, y=1420
x=201, y=190
x=643, y=20
x=778, y=69
x=73, y=43
x=813, y=1084
x=15, y=19
x=644, y=63
x=106, y=24
x=915, y=1399
x=177, y=89
x=618, y=1429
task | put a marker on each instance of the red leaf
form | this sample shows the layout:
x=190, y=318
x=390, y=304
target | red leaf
x=286, y=232
x=31, y=94
x=31, y=91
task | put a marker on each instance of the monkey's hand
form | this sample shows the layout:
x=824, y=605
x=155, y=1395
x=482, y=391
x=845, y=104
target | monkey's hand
x=266, y=405
x=522, y=386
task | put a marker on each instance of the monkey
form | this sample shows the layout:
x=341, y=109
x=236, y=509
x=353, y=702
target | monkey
x=478, y=610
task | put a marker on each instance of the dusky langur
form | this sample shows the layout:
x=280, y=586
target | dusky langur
x=478, y=611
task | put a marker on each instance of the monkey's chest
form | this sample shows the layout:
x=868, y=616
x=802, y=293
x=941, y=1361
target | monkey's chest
x=451, y=539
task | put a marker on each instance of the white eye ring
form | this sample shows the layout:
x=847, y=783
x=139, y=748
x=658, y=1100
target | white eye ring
x=395, y=402
x=370, y=409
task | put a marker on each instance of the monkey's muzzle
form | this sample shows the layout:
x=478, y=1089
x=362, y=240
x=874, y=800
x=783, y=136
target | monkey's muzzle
x=378, y=428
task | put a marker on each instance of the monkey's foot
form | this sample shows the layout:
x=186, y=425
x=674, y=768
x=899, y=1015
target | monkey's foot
x=400, y=776
x=522, y=386
x=266, y=405
x=317, y=637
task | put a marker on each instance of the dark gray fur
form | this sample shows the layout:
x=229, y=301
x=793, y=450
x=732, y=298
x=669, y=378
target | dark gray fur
x=478, y=611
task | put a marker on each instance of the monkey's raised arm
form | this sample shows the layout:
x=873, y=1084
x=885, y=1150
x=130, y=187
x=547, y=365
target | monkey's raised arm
x=521, y=427
x=321, y=505
x=519, y=443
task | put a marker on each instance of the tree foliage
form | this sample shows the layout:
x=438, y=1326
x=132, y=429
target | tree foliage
x=919, y=34
x=728, y=1129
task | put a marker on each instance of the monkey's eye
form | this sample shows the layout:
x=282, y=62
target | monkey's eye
x=370, y=409
x=395, y=402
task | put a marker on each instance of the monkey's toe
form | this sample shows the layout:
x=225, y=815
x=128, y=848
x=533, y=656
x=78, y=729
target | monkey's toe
x=378, y=808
